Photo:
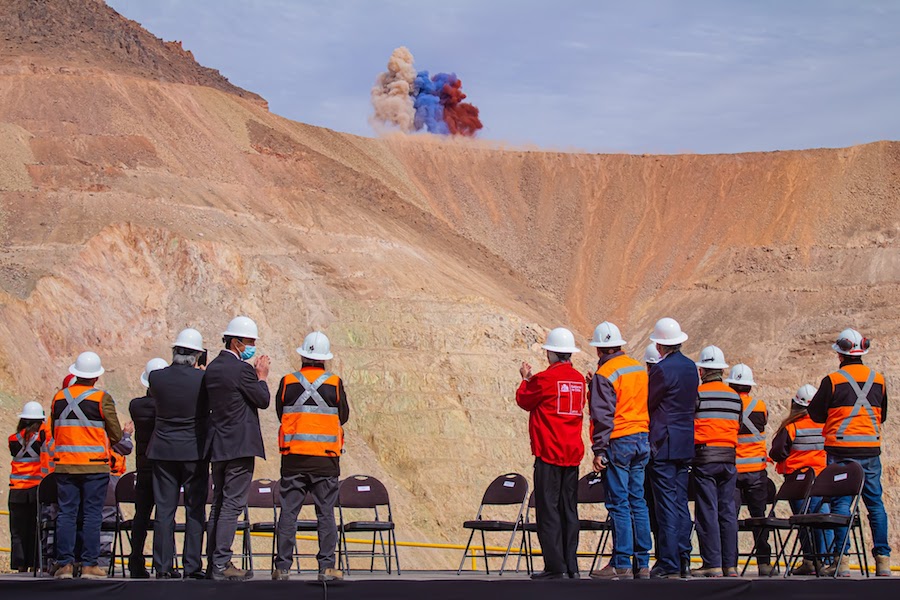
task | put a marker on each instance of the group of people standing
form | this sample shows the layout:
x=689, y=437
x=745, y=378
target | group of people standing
x=196, y=422
x=675, y=421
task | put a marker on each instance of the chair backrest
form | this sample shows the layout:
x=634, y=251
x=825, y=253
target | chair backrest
x=590, y=489
x=839, y=479
x=47, y=492
x=511, y=488
x=796, y=485
x=125, y=488
x=263, y=493
x=362, y=491
x=110, y=499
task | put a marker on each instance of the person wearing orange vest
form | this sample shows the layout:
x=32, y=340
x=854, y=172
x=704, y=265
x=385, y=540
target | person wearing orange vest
x=799, y=443
x=24, y=478
x=716, y=425
x=312, y=406
x=618, y=403
x=752, y=479
x=84, y=423
x=852, y=404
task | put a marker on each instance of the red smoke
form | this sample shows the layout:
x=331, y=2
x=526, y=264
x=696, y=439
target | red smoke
x=461, y=117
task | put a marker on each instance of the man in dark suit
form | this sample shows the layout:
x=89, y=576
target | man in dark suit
x=177, y=450
x=143, y=414
x=236, y=391
x=672, y=401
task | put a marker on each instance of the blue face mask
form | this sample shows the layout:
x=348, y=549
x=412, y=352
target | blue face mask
x=248, y=352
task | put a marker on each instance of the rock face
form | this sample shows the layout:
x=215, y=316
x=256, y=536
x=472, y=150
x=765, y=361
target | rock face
x=141, y=193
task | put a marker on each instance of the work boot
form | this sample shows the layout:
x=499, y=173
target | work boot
x=642, y=573
x=231, y=573
x=882, y=566
x=610, y=573
x=331, y=574
x=765, y=570
x=731, y=572
x=93, y=572
x=65, y=572
x=807, y=567
x=281, y=575
x=843, y=571
x=706, y=572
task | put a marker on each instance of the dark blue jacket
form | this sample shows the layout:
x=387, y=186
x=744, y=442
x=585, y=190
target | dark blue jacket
x=672, y=401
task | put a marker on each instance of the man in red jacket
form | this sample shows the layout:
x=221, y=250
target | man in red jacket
x=555, y=399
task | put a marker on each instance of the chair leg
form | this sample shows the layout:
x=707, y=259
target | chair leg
x=396, y=552
x=465, y=553
x=487, y=567
x=512, y=539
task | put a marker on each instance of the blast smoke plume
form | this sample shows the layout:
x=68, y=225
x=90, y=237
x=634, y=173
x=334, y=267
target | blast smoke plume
x=413, y=101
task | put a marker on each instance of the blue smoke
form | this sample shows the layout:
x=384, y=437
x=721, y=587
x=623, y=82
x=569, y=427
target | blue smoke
x=429, y=110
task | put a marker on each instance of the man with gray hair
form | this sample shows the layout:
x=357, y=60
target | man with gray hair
x=178, y=451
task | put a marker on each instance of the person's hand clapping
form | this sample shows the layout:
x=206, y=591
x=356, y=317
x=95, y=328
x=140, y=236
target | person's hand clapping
x=525, y=371
x=262, y=367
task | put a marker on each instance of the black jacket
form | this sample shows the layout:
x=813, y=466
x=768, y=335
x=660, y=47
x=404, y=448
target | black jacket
x=143, y=414
x=235, y=396
x=181, y=414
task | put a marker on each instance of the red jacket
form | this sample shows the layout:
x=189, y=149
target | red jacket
x=555, y=398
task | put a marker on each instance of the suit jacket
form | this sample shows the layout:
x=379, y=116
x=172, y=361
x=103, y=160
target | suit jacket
x=181, y=414
x=235, y=396
x=672, y=402
x=143, y=414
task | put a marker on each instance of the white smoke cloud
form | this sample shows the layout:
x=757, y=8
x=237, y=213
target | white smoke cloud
x=391, y=95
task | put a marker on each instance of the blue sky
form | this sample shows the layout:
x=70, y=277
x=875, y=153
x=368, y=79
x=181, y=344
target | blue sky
x=644, y=76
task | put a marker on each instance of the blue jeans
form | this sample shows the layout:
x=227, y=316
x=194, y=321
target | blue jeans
x=624, y=486
x=824, y=537
x=85, y=493
x=871, y=495
x=670, y=484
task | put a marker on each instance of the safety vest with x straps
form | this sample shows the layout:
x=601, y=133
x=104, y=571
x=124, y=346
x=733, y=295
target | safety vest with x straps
x=79, y=429
x=751, y=448
x=25, y=471
x=310, y=424
x=854, y=413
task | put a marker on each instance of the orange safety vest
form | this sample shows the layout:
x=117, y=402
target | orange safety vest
x=807, y=447
x=629, y=380
x=48, y=447
x=79, y=429
x=25, y=471
x=309, y=425
x=751, y=448
x=117, y=463
x=854, y=415
x=718, y=417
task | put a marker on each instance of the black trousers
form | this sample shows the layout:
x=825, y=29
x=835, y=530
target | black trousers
x=231, y=480
x=143, y=507
x=556, y=508
x=168, y=479
x=755, y=491
x=23, y=528
x=294, y=488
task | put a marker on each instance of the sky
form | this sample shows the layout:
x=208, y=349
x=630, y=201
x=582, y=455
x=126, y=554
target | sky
x=644, y=76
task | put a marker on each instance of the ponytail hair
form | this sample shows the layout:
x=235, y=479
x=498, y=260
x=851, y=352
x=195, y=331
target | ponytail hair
x=797, y=413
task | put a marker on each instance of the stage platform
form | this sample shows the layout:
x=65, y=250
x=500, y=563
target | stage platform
x=421, y=585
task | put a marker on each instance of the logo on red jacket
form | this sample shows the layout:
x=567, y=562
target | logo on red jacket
x=570, y=397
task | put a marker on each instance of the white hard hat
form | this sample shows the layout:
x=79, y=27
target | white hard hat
x=242, y=327
x=560, y=340
x=190, y=339
x=32, y=410
x=804, y=395
x=851, y=343
x=651, y=354
x=607, y=335
x=667, y=332
x=87, y=366
x=741, y=374
x=712, y=357
x=154, y=364
x=316, y=346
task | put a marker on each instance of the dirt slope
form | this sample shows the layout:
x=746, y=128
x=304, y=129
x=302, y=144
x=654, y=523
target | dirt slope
x=141, y=193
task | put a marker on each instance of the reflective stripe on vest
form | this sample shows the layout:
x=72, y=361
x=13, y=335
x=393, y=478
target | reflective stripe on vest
x=755, y=435
x=751, y=460
x=712, y=403
x=808, y=439
x=624, y=371
x=862, y=404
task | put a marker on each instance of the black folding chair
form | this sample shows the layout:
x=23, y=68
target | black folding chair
x=124, y=491
x=364, y=493
x=745, y=527
x=263, y=495
x=837, y=480
x=507, y=490
x=796, y=487
x=590, y=491
x=46, y=521
x=112, y=527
